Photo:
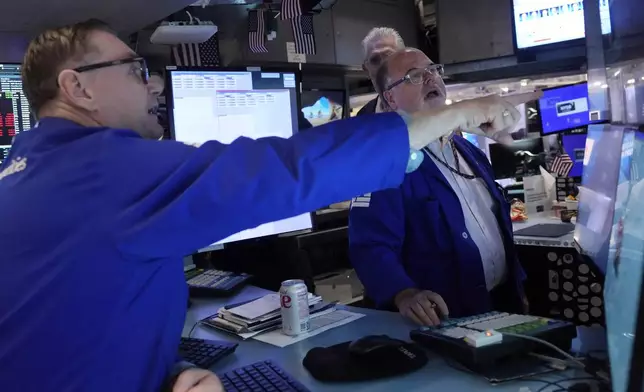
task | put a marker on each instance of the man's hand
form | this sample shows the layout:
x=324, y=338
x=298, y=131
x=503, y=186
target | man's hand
x=422, y=307
x=492, y=116
x=197, y=380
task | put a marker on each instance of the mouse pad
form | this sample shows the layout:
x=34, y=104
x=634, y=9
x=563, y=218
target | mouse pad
x=336, y=363
x=550, y=230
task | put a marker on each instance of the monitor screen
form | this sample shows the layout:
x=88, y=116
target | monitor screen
x=224, y=105
x=575, y=146
x=626, y=261
x=472, y=138
x=322, y=106
x=15, y=115
x=564, y=108
x=597, y=194
x=538, y=22
x=520, y=159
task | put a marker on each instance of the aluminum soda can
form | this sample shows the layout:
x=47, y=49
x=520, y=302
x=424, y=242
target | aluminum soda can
x=294, y=301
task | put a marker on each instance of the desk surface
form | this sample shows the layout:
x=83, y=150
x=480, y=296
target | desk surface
x=436, y=376
x=538, y=219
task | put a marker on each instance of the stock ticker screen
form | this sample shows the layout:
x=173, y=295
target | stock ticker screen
x=15, y=115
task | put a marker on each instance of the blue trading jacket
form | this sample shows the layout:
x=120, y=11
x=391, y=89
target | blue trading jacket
x=414, y=236
x=94, y=223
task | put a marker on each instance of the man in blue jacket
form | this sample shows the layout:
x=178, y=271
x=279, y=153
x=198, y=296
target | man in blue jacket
x=97, y=213
x=441, y=243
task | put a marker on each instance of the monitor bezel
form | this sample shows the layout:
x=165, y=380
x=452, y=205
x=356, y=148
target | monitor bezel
x=572, y=43
x=635, y=381
x=169, y=99
x=169, y=92
x=571, y=129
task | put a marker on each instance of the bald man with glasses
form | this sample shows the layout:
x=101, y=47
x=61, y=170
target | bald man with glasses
x=441, y=243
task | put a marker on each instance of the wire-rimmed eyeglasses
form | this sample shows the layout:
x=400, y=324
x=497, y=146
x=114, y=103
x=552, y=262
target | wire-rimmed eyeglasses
x=418, y=75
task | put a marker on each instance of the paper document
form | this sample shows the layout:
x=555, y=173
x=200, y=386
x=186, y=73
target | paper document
x=258, y=308
x=318, y=325
x=264, y=306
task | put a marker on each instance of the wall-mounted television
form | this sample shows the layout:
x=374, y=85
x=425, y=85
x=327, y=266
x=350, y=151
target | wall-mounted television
x=565, y=108
x=544, y=22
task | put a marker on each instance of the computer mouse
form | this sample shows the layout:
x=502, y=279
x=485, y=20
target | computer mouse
x=375, y=345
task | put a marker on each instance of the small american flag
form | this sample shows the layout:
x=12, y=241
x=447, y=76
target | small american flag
x=293, y=8
x=290, y=9
x=205, y=54
x=256, y=32
x=303, y=33
x=561, y=165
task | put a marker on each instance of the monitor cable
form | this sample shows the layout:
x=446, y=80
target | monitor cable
x=596, y=373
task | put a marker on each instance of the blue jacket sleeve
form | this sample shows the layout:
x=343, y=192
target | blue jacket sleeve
x=173, y=199
x=376, y=237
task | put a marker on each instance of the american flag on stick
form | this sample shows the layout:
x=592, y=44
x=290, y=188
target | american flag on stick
x=290, y=9
x=561, y=165
x=205, y=54
x=257, y=31
x=303, y=34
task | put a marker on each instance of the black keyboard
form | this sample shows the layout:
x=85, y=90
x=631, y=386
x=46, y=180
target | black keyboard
x=204, y=353
x=265, y=376
x=214, y=283
x=447, y=339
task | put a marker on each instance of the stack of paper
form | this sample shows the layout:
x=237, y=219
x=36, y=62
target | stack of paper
x=259, y=315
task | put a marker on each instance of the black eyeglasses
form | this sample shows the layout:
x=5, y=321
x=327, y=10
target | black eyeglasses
x=417, y=76
x=143, y=67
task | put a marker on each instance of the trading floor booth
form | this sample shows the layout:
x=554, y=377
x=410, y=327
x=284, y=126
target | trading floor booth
x=587, y=274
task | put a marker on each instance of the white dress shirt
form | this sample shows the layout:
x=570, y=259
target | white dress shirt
x=478, y=209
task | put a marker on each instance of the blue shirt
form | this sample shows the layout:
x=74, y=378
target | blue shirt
x=415, y=236
x=95, y=221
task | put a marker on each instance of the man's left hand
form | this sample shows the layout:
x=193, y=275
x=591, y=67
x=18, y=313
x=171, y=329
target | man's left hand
x=197, y=380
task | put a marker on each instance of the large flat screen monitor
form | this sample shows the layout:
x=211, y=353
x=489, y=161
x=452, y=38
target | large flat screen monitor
x=322, y=106
x=520, y=159
x=625, y=270
x=565, y=108
x=544, y=22
x=223, y=105
x=575, y=146
x=597, y=194
x=15, y=115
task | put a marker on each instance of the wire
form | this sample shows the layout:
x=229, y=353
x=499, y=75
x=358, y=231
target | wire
x=557, y=383
x=193, y=328
x=545, y=343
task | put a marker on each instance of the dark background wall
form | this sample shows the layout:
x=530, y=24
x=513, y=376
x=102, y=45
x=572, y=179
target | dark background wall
x=338, y=31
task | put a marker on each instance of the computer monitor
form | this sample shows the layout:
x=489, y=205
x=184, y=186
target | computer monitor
x=575, y=146
x=322, y=106
x=625, y=269
x=520, y=159
x=472, y=138
x=565, y=108
x=224, y=104
x=15, y=115
x=538, y=23
x=597, y=194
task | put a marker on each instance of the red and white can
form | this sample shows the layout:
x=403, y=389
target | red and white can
x=294, y=300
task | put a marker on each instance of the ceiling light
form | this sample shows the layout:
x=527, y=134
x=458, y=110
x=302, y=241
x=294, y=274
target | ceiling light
x=617, y=72
x=524, y=82
x=597, y=84
x=505, y=89
x=630, y=81
x=604, y=86
x=448, y=102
